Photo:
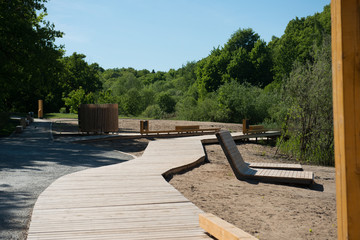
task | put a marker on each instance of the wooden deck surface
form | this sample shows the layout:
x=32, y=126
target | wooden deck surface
x=129, y=200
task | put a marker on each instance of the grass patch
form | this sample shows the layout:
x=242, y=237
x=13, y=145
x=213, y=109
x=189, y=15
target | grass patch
x=61, y=115
x=133, y=117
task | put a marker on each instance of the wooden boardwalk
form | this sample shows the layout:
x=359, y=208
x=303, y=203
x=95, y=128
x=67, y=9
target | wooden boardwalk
x=131, y=200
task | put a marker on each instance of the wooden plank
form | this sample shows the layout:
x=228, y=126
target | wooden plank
x=221, y=229
x=130, y=200
x=346, y=98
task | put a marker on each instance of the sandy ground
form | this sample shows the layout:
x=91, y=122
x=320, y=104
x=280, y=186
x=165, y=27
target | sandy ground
x=267, y=211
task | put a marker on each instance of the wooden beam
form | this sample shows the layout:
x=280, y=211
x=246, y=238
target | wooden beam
x=221, y=229
x=345, y=17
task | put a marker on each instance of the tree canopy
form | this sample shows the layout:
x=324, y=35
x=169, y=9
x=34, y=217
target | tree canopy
x=28, y=54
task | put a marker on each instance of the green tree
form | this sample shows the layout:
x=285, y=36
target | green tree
x=297, y=42
x=78, y=73
x=210, y=70
x=104, y=97
x=244, y=58
x=240, y=67
x=242, y=38
x=28, y=54
x=148, y=97
x=309, y=122
x=262, y=64
x=77, y=97
x=166, y=103
x=132, y=102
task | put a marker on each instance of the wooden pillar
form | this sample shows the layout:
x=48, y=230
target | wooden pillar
x=41, y=109
x=345, y=17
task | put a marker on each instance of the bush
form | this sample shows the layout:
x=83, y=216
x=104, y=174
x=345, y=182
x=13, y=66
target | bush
x=242, y=101
x=62, y=110
x=309, y=122
x=186, y=108
x=166, y=103
x=153, y=111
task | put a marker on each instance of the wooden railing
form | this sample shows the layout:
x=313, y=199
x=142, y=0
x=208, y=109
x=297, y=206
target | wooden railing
x=193, y=129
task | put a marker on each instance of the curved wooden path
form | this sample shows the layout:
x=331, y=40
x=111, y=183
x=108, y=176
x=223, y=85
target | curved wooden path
x=131, y=200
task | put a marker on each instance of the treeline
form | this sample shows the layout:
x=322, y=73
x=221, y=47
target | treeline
x=284, y=83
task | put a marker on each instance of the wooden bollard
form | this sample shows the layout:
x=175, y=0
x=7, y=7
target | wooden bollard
x=41, y=109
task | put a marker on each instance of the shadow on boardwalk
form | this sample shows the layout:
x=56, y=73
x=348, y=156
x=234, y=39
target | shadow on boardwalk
x=30, y=162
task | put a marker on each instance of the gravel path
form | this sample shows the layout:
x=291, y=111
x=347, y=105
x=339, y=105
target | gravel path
x=30, y=162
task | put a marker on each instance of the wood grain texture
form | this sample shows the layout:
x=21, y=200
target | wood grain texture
x=221, y=229
x=243, y=171
x=130, y=200
x=345, y=17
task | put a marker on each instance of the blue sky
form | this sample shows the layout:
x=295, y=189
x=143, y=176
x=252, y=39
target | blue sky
x=165, y=34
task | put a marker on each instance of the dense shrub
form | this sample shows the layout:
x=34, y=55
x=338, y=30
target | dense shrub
x=153, y=111
x=166, y=103
x=309, y=122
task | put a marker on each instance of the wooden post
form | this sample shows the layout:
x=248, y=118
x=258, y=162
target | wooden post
x=141, y=127
x=345, y=17
x=41, y=109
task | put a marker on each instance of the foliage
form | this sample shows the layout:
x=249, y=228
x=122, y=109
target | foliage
x=309, y=122
x=297, y=42
x=190, y=109
x=77, y=97
x=166, y=103
x=28, y=54
x=132, y=102
x=75, y=73
x=104, y=97
x=78, y=73
x=153, y=111
x=62, y=110
x=242, y=101
x=244, y=58
x=61, y=115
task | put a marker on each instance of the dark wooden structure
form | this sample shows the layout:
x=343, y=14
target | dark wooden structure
x=345, y=24
x=99, y=118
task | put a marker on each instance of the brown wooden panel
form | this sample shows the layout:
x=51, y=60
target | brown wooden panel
x=346, y=98
x=98, y=118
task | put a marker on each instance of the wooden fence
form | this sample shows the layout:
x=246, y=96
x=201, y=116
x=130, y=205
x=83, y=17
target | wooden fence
x=98, y=118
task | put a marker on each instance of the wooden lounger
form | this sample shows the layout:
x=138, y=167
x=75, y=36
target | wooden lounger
x=280, y=166
x=243, y=171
